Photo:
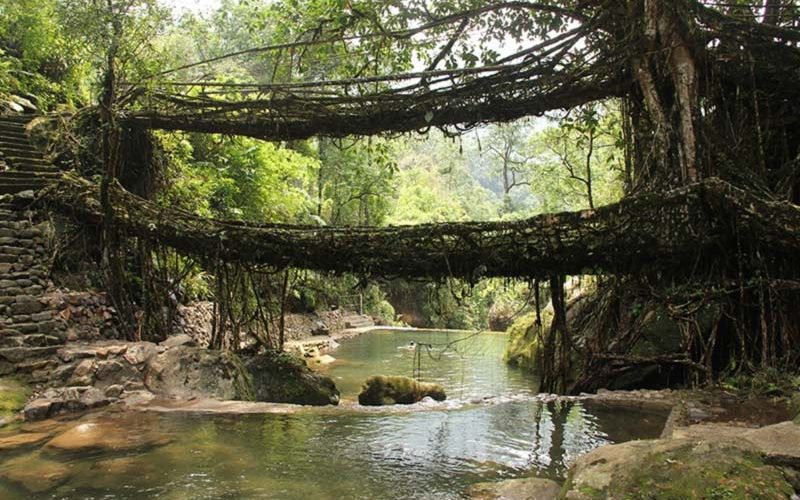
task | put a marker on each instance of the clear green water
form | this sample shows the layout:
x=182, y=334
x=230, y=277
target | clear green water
x=432, y=451
x=471, y=367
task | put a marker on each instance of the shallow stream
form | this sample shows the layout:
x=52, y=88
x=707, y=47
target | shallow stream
x=492, y=427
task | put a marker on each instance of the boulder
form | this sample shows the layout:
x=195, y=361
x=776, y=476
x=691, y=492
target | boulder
x=185, y=371
x=64, y=400
x=83, y=374
x=114, y=391
x=138, y=353
x=533, y=488
x=320, y=328
x=676, y=468
x=178, y=340
x=278, y=377
x=388, y=390
x=779, y=444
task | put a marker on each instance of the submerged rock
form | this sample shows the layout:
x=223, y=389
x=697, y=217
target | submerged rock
x=388, y=390
x=281, y=378
x=21, y=440
x=35, y=473
x=533, y=488
x=133, y=431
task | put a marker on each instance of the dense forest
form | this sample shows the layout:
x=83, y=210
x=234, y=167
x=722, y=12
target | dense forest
x=375, y=115
x=400, y=249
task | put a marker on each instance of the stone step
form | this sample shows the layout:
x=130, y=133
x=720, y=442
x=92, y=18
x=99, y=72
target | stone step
x=13, y=133
x=37, y=168
x=17, y=160
x=20, y=151
x=21, y=174
x=17, y=354
x=18, y=118
x=16, y=142
x=13, y=186
x=14, y=122
x=358, y=321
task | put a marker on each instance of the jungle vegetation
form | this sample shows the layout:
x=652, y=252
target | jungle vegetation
x=458, y=159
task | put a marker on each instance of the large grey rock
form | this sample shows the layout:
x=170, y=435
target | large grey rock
x=282, y=378
x=533, y=488
x=778, y=444
x=186, y=371
x=140, y=352
x=64, y=400
x=689, y=465
x=178, y=340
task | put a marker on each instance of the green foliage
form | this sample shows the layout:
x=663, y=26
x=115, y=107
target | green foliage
x=766, y=381
x=523, y=339
x=578, y=159
x=13, y=396
x=354, y=182
x=38, y=62
x=61, y=50
x=238, y=178
x=436, y=183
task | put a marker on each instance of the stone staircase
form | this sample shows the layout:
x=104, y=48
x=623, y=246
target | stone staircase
x=29, y=332
x=22, y=167
x=358, y=321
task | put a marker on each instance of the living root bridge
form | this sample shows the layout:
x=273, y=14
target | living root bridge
x=646, y=232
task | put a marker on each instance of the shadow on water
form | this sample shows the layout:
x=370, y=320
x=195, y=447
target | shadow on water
x=434, y=453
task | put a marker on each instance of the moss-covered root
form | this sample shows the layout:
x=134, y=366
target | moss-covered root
x=794, y=407
x=675, y=469
x=13, y=395
x=381, y=390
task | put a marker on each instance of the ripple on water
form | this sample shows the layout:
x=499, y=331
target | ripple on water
x=423, y=451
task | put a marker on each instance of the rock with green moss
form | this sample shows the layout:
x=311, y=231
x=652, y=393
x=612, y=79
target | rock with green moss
x=13, y=395
x=794, y=406
x=720, y=466
x=381, y=390
x=279, y=377
x=523, y=343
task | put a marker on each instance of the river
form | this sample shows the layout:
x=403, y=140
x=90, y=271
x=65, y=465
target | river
x=493, y=426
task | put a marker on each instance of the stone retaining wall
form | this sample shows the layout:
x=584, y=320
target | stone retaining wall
x=30, y=332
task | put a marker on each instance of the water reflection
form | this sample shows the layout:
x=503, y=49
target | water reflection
x=472, y=368
x=344, y=454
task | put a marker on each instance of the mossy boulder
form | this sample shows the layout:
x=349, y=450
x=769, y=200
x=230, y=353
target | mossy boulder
x=677, y=468
x=522, y=348
x=794, y=406
x=13, y=395
x=279, y=377
x=381, y=390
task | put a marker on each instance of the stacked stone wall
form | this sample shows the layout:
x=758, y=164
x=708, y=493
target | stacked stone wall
x=30, y=330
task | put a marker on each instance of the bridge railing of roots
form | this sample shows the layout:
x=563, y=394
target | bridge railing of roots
x=679, y=68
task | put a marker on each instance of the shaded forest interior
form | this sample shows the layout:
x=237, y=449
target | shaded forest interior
x=708, y=229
